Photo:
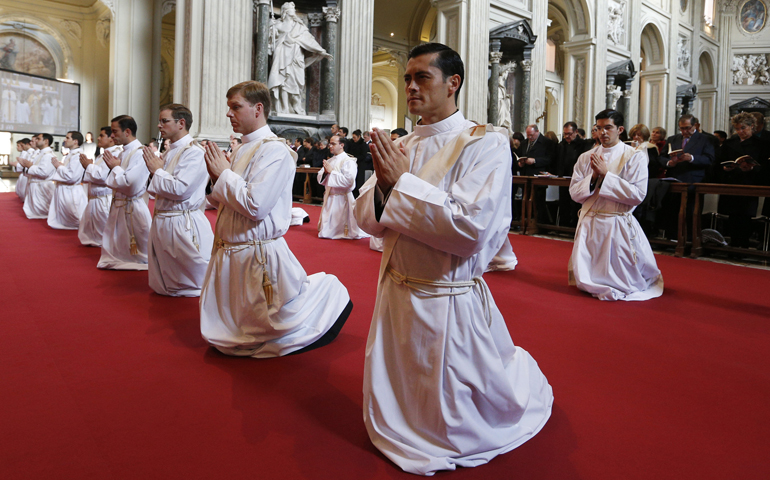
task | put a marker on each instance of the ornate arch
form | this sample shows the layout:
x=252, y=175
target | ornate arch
x=706, y=69
x=653, y=45
x=40, y=30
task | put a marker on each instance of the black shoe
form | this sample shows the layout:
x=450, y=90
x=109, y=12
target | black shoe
x=331, y=334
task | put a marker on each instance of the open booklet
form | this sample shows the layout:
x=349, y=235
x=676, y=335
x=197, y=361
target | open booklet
x=745, y=158
x=672, y=153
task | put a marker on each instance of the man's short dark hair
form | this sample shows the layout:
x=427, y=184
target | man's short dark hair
x=126, y=123
x=77, y=136
x=179, y=112
x=721, y=134
x=47, y=136
x=572, y=125
x=400, y=132
x=25, y=141
x=344, y=130
x=581, y=132
x=688, y=117
x=107, y=130
x=357, y=132
x=446, y=60
x=614, y=115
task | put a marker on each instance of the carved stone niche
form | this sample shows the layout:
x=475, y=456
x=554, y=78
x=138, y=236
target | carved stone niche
x=516, y=42
x=754, y=104
x=620, y=75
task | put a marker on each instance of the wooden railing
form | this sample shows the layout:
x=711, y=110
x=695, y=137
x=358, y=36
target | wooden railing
x=529, y=225
x=307, y=196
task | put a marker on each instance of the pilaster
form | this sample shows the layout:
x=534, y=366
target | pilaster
x=355, y=63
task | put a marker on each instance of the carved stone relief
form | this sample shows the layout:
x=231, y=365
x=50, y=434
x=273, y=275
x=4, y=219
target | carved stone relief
x=580, y=72
x=103, y=31
x=751, y=69
x=683, y=53
x=72, y=28
x=616, y=27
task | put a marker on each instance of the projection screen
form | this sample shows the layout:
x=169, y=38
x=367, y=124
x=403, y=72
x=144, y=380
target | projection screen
x=32, y=104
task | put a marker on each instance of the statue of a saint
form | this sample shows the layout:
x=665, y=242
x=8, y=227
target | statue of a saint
x=504, y=100
x=293, y=49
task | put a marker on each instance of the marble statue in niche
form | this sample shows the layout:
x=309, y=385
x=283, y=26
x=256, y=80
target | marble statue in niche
x=293, y=49
x=504, y=99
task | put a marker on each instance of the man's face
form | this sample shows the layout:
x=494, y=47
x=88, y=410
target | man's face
x=104, y=140
x=356, y=138
x=393, y=137
x=335, y=129
x=335, y=145
x=657, y=135
x=427, y=92
x=233, y=143
x=608, y=132
x=69, y=142
x=19, y=147
x=243, y=115
x=120, y=137
x=686, y=128
x=367, y=137
x=40, y=142
x=306, y=144
x=569, y=134
x=168, y=126
x=532, y=135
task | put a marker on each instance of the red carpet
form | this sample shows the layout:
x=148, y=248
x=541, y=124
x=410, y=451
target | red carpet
x=101, y=378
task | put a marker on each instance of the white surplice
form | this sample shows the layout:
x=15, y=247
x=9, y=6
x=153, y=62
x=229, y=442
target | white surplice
x=255, y=211
x=21, y=181
x=444, y=385
x=611, y=257
x=129, y=220
x=69, y=198
x=37, y=199
x=94, y=218
x=505, y=260
x=337, y=220
x=181, y=237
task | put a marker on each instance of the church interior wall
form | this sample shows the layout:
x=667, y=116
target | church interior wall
x=82, y=58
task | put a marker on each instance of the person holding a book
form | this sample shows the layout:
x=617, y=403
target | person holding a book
x=741, y=162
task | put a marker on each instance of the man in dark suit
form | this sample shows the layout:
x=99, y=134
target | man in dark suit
x=565, y=156
x=690, y=166
x=534, y=158
x=698, y=152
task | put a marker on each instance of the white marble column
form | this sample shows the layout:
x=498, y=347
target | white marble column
x=213, y=40
x=723, y=75
x=354, y=63
x=131, y=68
x=598, y=69
x=460, y=25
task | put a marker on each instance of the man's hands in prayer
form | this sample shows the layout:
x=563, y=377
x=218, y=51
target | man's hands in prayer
x=110, y=160
x=216, y=162
x=25, y=163
x=153, y=163
x=85, y=161
x=598, y=166
x=55, y=162
x=390, y=160
x=327, y=166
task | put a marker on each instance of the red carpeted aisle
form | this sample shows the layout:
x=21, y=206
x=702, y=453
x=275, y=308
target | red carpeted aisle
x=101, y=378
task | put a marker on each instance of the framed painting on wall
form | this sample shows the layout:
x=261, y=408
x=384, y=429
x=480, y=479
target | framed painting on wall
x=752, y=16
x=25, y=54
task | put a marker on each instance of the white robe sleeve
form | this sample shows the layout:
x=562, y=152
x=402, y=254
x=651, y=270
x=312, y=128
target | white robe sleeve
x=364, y=208
x=344, y=178
x=131, y=181
x=457, y=221
x=256, y=198
x=188, y=175
x=44, y=168
x=631, y=188
x=97, y=174
x=71, y=174
x=580, y=185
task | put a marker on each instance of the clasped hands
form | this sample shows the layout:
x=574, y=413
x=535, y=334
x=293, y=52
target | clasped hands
x=110, y=160
x=216, y=161
x=390, y=160
x=85, y=161
x=599, y=166
x=153, y=162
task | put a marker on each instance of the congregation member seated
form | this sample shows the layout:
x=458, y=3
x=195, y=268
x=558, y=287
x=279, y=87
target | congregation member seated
x=687, y=156
x=656, y=188
x=611, y=258
x=565, y=156
x=742, y=161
